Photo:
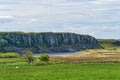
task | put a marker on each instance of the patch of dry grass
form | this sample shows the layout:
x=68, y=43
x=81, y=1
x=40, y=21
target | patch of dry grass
x=95, y=55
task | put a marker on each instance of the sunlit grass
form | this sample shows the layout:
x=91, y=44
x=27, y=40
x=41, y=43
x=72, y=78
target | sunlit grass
x=89, y=71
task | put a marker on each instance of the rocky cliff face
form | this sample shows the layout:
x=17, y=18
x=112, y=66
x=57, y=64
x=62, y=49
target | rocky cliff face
x=46, y=42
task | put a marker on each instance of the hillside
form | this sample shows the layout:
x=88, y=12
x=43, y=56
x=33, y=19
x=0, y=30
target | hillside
x=46, y=42
x=108, y=43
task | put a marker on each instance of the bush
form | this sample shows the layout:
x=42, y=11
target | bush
x=39, y=63
x=28, y=55
x=9, y=55
x=44, y=57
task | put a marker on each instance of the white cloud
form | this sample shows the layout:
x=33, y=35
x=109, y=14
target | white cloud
x=99, y=2
x=96, y=31
x=94, y=16
x=6, y=17
x=32, y=20
x=91, y=28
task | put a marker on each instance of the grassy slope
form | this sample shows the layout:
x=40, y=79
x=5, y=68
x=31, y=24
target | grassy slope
x=108, y=43
x=93, y=71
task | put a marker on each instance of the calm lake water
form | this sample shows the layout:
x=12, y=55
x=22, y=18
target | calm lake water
x=58, y=53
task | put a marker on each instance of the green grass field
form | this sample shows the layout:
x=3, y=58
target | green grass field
x=83, y=71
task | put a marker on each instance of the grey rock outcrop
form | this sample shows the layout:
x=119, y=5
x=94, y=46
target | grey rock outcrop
x=46, y=42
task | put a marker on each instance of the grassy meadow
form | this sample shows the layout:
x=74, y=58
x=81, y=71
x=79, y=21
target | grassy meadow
x=83, y=71
x=96, y=64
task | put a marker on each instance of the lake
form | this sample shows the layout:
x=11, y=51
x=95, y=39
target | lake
x=58, y=53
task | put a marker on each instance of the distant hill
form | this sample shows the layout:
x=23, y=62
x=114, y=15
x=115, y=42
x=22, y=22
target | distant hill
x=107, y=43
x=46, y=42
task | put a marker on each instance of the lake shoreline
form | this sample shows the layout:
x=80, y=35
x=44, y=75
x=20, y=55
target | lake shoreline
x=58, y=53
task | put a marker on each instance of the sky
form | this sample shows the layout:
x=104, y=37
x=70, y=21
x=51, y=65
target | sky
x=98, y=18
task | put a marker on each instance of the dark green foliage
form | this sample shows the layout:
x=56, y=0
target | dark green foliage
x=28, y=55
x=52, y=42
x=117, y=43
x=3, y=42
x=44, y=57
x=18, y=43
x=9, y=55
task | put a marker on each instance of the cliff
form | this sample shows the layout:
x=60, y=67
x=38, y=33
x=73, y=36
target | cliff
x=46, y=42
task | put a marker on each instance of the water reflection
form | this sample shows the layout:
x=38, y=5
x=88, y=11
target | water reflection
x=57, y=53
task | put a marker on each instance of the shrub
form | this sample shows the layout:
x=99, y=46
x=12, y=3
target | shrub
x=9, y=55
x=44, y=57
x=39, y=63
x=28, y=55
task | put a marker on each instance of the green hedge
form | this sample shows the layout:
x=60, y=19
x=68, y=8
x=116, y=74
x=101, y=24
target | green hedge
x=9, y=55
x=44, y=57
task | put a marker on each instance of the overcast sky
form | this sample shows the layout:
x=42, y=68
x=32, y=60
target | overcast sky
x=99, y=18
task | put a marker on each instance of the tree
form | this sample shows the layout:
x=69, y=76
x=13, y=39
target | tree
x=44, y=57
x=17, y=43
x=3, y=42
x=28, y=55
